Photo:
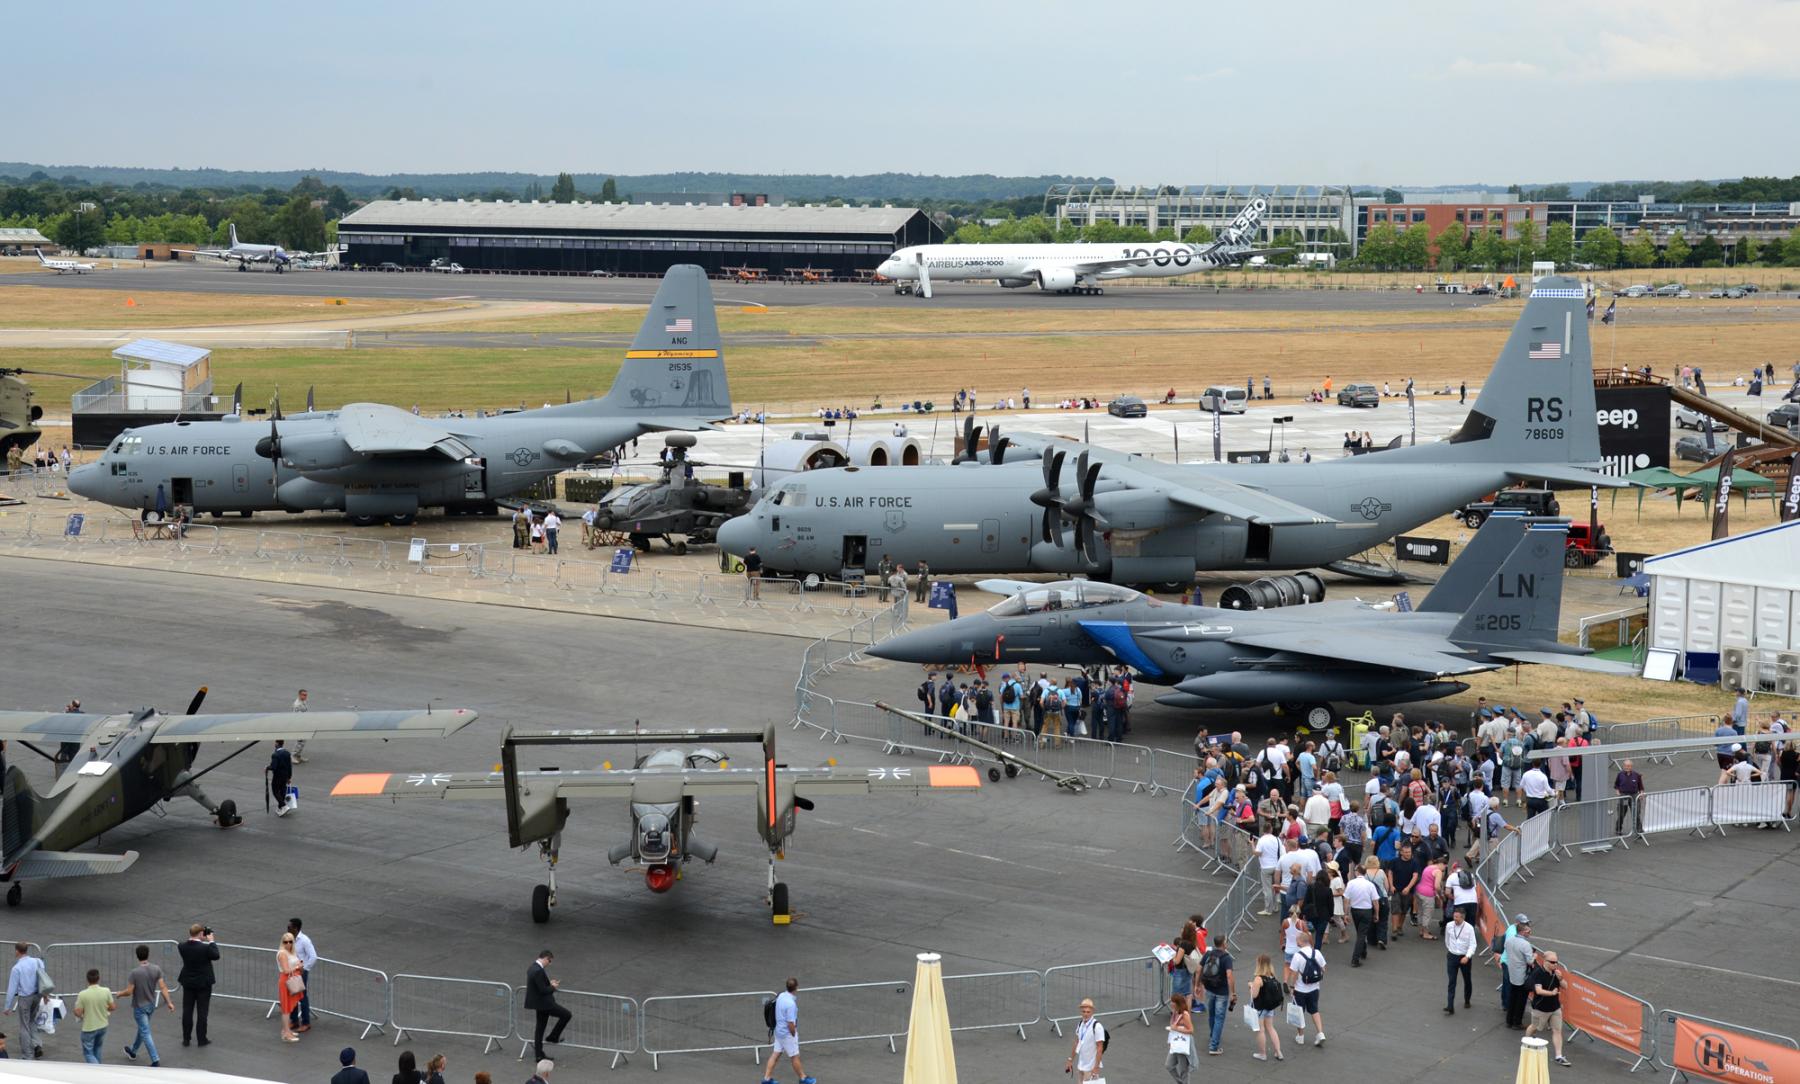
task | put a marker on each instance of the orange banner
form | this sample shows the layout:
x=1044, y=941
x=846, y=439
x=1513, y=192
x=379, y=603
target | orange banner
x=1718, y=1053
x=1605, y=1013
x=1492, y=922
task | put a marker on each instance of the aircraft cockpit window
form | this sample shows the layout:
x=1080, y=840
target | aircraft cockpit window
x=1100, y=594
x=790, y=496
x=1064, y=595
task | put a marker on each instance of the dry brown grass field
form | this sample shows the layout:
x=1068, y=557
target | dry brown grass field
x=51, y=307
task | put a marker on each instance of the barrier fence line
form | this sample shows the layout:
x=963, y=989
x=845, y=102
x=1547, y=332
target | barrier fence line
x=1134, y=986
x=471, y=1008
x=1612, y=1016
x=247, y=973
x=350, y=992
x=858, y=1010
x=1689, y=1045
x=704, y=1024
x=606, y=1023
x=68, y=962
x=1013, y=1000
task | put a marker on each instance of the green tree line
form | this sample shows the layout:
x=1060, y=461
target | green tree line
x=1389, y=248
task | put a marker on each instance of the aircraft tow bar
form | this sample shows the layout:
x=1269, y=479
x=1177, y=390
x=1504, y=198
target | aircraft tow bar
x=1011, y=763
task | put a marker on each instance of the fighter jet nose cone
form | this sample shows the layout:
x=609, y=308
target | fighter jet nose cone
x=923, y=646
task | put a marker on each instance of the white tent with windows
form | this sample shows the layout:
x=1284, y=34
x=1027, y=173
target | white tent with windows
x=1732, y=607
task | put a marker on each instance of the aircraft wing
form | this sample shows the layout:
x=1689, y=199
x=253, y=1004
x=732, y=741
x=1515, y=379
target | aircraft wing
x=310, y=725
x=378, y=429
x=1573, y=662
x=931, y=777
x=44, y=865
x=1417, y=654
x=46, y=726
x=618, y=783
x=1095, y=266
x=1185, y=487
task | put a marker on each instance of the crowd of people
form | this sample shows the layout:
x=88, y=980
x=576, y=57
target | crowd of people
x=1089, y=703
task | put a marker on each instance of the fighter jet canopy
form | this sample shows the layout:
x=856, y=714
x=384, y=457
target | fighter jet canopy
x=1063, y=595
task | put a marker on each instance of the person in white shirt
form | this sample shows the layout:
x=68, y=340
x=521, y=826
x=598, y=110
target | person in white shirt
x=1361, y=896
x=1090, y=1045
x=1318, y=813
x=301, y=1018
x=299, y=708
x=1536, y=786
x=1459, y=957
x=1306, y=992
x=552, y=527
x=1268, y=861
x=1427, y=817
x=1463, y=896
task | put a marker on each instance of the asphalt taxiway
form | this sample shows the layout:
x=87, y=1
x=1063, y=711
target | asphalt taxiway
x=639, y=291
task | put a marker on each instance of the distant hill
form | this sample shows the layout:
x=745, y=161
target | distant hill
x=797, y=187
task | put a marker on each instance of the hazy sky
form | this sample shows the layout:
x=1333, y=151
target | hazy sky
x=1196, y=92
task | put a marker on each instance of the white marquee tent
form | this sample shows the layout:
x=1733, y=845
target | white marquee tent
x=1733, y=604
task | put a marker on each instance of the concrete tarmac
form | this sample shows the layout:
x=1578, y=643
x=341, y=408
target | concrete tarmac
x=1018, y=876
x=639, y=291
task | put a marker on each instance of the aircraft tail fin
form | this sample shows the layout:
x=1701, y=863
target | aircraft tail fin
x=40, y=256
x=1243, y=228
x=1461, y=584
x=1537, y=404
x=1520, y=604
x=231, y=231
x=674, y=373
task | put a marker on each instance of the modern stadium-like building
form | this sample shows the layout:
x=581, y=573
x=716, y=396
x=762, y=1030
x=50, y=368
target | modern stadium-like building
x=631, y=238
x=1324, y=216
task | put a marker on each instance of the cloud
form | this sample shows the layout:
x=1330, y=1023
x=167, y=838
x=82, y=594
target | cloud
x=1462, y=68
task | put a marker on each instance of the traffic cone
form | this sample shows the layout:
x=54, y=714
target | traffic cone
x=131, y=303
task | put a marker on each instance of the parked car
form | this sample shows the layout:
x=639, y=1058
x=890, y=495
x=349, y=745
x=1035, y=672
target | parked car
x=1585, y=548
x=1359, y=395
x=1695, y=450
x=1127, y=406
x=1786, y=415
x=1733, y=292
x=1689, y=418
x=1672, y=289
x=1220, y=399
x=1483, y=288
x=448, y=267
x=600, y=273
x=1639, y=290
x=1749, y=287
x=389, y=266
x=1532, y=502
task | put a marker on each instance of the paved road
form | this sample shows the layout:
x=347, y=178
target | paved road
x=639, y=291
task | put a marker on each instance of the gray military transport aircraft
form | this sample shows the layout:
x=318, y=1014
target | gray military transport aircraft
x=132, y=762
x=1498, y=604
x=373, y=461
x=664, y=789
x=1133, y=520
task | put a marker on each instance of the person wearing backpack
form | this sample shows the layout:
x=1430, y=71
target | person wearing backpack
x=1266, y=997
x=1219, y=981
x=1512, y=767
x=1306, y=973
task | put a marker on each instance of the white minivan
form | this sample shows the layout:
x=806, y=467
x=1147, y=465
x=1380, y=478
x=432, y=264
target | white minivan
x=1223, y=400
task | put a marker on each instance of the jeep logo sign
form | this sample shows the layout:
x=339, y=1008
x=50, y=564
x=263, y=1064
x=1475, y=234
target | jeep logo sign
x=1634, y=428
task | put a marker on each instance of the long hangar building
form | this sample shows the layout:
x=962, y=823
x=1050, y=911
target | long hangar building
x=631, y=238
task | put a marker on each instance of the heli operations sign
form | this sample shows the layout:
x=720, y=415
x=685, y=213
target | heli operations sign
x=1634, y=428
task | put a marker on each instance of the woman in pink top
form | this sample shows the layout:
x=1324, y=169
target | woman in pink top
x=1559, y=769
x=1431, y=880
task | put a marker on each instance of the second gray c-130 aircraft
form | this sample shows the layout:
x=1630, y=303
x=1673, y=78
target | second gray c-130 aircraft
x=1498, y=604
x=1128, y=519
x=373, y=461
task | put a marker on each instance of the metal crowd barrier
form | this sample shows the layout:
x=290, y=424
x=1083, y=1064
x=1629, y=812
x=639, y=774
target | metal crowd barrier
x=1012, y=1000
x=1236, y=909
x=607, y=1023
x=1676, y=810
x=1127, y=987
x=433, y=1005
x=68, y=962
x=705, y=1024
x=858, y=1010
x=349, y=992
x=247, y=973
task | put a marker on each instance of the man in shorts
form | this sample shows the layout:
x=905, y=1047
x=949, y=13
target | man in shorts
x=785, y=1042
x=1546, y=1004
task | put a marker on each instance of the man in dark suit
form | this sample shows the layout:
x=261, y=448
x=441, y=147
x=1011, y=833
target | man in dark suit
x=540, y=997
x=349, y=1074
x=196, y=980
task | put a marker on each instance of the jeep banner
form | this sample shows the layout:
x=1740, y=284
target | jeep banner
x=1430, y=551
x=1634, y=428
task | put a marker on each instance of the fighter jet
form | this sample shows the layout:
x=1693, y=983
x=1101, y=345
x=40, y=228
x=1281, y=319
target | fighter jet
x=1497, y=605
x=372, y=461
x=1019, y=507
x=664, y=790
x=129, y=763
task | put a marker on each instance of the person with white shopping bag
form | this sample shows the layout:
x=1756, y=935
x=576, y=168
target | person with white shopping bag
x=1180, y=1061
x=1305, y=973
x=27, y=992
x=1089, y=1047
x=1266, y=998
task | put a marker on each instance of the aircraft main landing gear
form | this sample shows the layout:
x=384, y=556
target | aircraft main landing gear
x=540, y=904
x=15, y=895
x=779, y=911
x=543, y=897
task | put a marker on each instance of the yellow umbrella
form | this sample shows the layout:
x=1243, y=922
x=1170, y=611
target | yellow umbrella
x=1534, y=1062
x=930, y=1056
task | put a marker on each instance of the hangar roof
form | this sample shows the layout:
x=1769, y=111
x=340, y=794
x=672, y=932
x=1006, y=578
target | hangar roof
x=513, y=215
x=22, y=235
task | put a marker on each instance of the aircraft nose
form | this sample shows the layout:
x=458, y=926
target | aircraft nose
x=736, y=536
x=85, y=480
x=953, y=641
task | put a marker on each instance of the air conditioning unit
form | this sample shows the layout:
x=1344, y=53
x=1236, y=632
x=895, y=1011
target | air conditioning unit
x=1732, y=658
x=1787, y=662
x=1787, y=685
x=1732, y=681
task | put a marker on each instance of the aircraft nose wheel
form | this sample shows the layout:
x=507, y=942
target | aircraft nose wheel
x=15, y=895
x=778, y=903
x=540, y=904
x=227, y=814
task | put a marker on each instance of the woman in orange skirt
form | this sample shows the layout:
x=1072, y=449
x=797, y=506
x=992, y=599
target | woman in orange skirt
x=290, y=984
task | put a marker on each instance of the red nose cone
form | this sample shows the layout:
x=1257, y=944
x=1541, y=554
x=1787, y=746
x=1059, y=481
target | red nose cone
x=660, y=878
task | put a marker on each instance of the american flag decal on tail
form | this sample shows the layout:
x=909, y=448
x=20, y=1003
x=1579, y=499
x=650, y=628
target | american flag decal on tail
x=1545, y=352
x=681, y=325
